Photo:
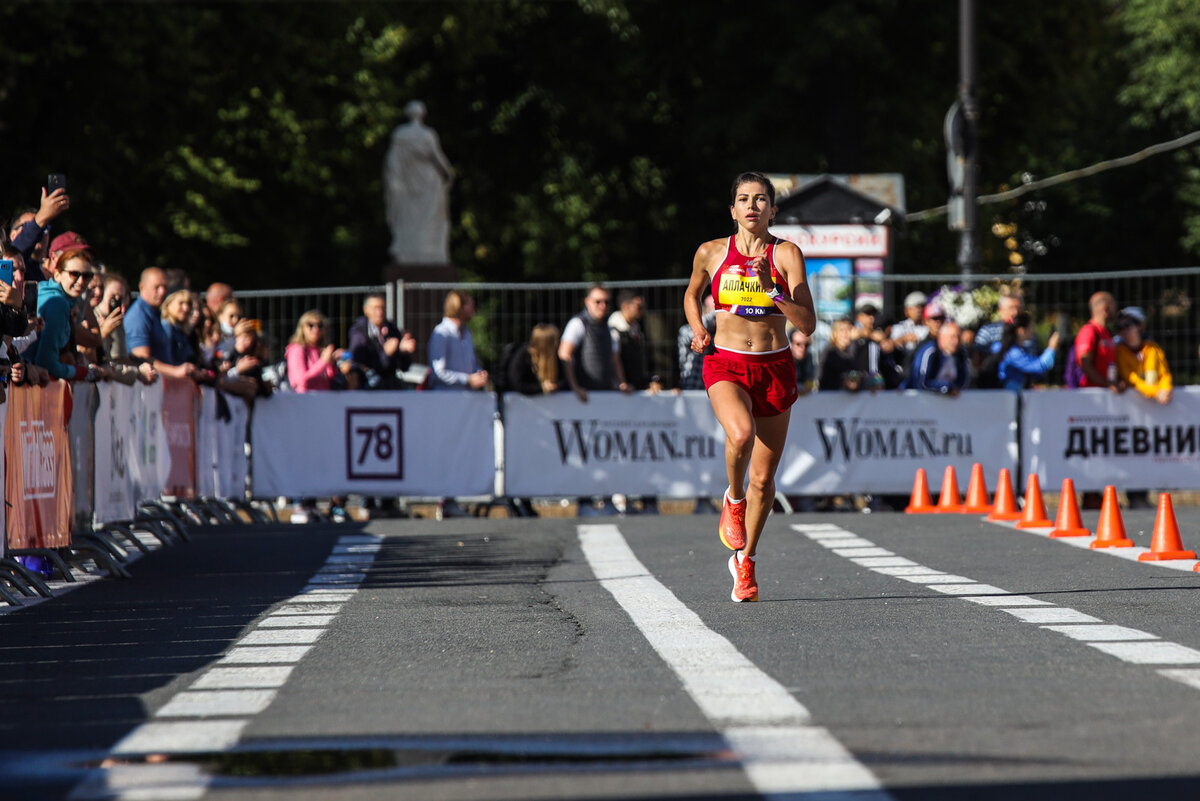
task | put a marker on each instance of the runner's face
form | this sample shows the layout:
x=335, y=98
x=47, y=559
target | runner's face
x=752, y=207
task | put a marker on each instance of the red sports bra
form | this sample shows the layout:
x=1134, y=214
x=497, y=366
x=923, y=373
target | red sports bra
x=736, y=288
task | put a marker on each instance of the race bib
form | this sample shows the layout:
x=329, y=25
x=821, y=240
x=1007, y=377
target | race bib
x=744, y=295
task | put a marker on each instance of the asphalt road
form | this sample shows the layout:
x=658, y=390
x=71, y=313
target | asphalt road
x=932, y=656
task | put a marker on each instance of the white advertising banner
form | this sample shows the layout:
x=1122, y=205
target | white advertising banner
x=151, y=462
x=374, y=443
x=667, y=445
x=858, y=442
x=113, y=453
x=1097, y=438
x=672, y=446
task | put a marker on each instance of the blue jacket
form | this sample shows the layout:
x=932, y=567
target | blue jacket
x=927, y=363
x=54, y=306
x=1018, y=364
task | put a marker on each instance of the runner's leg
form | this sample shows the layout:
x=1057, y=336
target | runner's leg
x=768, y=450
x=731, y=405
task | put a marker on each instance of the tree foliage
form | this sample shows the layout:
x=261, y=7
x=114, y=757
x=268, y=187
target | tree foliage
x=591, y=138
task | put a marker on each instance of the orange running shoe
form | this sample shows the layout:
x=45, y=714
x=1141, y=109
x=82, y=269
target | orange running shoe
x=732, y=528
x=745, y=587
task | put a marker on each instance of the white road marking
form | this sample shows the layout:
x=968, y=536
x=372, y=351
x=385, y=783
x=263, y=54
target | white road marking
x=184, y=736
x=1130, y=554
x=1103, y=632
x=1127, y=644
x=278, y=620
x=282, y=636
x=882, y=561
x=863, y=552
x=216, y=703
x=1189, y=676
x=1052, y=614
x=264, y=660
x=264, y=654
x=852, y=542
x=243, y=677
x=781, y=751
x=1150, y=653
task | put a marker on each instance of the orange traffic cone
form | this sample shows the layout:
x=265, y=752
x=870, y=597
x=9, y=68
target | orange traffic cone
x=919, y=503
x=1165, y=544
x=1069, y=523
x=1006, y=503
x=948, y=501
x=977, y=495
x=1034, y=513
x=1110, y=531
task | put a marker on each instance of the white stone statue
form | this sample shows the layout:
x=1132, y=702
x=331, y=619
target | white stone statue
x=416, y=179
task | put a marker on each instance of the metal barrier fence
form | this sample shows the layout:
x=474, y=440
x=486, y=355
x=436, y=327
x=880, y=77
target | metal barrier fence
x=506, y=312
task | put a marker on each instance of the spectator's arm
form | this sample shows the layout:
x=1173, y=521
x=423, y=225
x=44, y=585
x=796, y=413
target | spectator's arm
x=1127, y=370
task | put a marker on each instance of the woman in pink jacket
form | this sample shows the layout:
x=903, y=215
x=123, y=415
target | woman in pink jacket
x=311, y=361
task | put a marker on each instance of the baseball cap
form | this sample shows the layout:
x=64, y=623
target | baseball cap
x=867, y=308
x=1134, y=312
x=915, y=299
x=68, y=241
x=934, y=309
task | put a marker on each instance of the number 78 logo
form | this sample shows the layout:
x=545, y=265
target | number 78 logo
x=375, y=444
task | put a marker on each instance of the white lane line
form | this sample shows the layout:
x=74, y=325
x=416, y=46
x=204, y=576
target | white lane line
x=1127, y=644
x=174, y=737
x=1150, y=653
x=863, y=552
x=882, y=561
x=1131, y=554
x=264, y=654
x=1052, y=614
x=1103, y=632
x=852, y=542
x=288, y=636
x=238, y=678
x=781, y=751
x=1189, y=676
x=278, y=620
x=263, y=660
x=216, y=703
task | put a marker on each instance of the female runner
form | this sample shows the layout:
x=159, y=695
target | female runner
x=759, y=286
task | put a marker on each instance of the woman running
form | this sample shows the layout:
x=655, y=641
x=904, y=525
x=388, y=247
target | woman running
x=759, y=285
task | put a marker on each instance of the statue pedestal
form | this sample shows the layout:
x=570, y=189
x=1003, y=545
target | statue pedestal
x=440, y=273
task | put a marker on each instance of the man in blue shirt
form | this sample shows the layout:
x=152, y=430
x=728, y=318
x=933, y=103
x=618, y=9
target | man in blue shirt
x=451, y=349
x=144, y=333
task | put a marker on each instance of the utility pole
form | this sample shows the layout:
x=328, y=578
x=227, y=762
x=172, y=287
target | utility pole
x=968, y=244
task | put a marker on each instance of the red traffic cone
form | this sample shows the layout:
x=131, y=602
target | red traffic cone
x=1034, y=513
x=1166, y=544
x=1110, y=531
x=1069, y=523
x=919, y=502
x=1005, y=507
x=977, y=494
x=948, y=501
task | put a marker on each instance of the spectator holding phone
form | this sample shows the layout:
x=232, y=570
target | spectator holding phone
x=31, y=227
x=55, y=300
x=113, y=353
x=144, y=333
x=13, y=321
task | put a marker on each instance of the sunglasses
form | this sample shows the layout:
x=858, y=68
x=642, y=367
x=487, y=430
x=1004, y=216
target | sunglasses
x=75, y=275
x=314, y=325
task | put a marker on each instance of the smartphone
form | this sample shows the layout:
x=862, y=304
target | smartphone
x=31, y=293
x=6, y=271
x=55, y=180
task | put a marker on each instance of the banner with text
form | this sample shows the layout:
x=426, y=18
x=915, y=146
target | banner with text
x=374, y=443
x=179, y=427
x=37, y=487
x=672, y=446
x=1097, y=438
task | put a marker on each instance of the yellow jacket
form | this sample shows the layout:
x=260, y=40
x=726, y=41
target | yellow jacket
x=1145, y=370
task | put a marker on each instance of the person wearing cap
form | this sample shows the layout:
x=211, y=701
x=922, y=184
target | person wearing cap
x=910, y=331
x=865, y=314
x=1141, y=362
x=144, y=334
x=56, y=298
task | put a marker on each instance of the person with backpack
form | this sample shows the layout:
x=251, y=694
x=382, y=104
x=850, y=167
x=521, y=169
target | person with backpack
x=1018, y=360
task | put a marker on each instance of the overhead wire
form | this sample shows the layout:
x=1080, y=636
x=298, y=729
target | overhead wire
x=1065, y=177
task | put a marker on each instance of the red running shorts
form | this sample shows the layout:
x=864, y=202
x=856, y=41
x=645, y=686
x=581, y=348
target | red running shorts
x=768, y=378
